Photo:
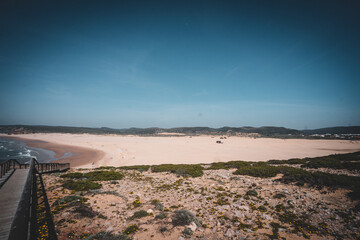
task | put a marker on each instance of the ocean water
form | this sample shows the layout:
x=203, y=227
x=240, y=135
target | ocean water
x=13, y=149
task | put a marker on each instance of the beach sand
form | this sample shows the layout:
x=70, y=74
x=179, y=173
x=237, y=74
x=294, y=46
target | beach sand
x=114, y=150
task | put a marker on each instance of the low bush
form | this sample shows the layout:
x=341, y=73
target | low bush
x=75, y=175
x=183, y=217
x=180, y=169
x=132, y=229
x=187, y=232
x=103, y=175
x=139, y=214
x=81, y=185
x=228, y=165
x=252, y=193
x=95, y=175
x=139, y=168
x=262, y=171
x=349, y=161
x=85, y=211
x=105, y=168
x=158, y=205
x=160, y=216
x=70, y=200
x=301, y=177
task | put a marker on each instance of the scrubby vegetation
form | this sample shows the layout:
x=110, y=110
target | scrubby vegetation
x=301, y=177
x=85, y=211
x=349, y=161
x=139, y=214
x=139, y=168
x=263, y=171
x=181, y=169
x=81, y=185
x=218, y=203
x=228, y=165
x=95, y=176
x=183, y=217
x=75, y=175
x=103, y=175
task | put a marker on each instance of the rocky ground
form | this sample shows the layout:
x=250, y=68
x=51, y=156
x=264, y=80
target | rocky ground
x=217, y=205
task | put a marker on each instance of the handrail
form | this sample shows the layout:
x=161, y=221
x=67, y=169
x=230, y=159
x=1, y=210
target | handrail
x=7, y=165
x=20, y=224
x=25, y=224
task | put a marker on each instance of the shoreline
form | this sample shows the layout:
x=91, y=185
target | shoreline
x=79, y=155
x=91, y=151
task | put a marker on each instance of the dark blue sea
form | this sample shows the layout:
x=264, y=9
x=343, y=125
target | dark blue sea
x=14, y=149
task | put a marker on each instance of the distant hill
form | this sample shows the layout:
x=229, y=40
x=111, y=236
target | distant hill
x=334, y=130
x=266, y=131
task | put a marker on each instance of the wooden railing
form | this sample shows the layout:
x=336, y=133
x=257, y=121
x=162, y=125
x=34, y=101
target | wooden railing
x=33, y=219
x=40, y=167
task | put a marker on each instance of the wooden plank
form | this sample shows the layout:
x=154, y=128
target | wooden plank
x=10, y=194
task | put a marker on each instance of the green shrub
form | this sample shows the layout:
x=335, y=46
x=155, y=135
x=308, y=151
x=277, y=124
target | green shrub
x=103, y=175
x=263, y=171
x=279, y=195
x=228, y=165
x=301, y=177
x=160, y=216
x=180, y=169
x=139, y=214
x=81, y=185
x=187, y=232
x=105, y=168
x=139, y=168
x=85, y=211
x=350, y=161
x=252, y=193
x=132, y=229
x=75, y=175
x=183, y=217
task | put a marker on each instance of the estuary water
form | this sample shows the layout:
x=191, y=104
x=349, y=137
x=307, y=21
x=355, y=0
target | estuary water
x=14, y=149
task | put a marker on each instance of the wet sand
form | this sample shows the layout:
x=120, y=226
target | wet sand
x=80, y=155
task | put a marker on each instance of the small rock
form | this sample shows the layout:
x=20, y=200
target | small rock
x=245, y=208
x=110, y=229
x=267, y=217
x=282, y=229
x=192, y=226
x=229, y=233
x=150, y=211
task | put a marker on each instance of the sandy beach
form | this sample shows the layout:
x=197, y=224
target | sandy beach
x=113, y=150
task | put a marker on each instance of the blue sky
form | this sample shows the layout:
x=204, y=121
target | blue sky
x=180, y=63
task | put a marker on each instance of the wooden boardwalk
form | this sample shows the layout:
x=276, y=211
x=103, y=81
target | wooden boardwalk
x=10, y=194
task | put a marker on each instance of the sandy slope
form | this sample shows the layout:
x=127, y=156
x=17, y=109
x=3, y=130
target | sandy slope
x=109, y=150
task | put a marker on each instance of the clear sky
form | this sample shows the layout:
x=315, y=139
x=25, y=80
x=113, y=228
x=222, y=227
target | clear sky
x=180, y=63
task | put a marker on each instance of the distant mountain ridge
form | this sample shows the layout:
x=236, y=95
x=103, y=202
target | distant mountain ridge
x=334, y=130
x=263, y=131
